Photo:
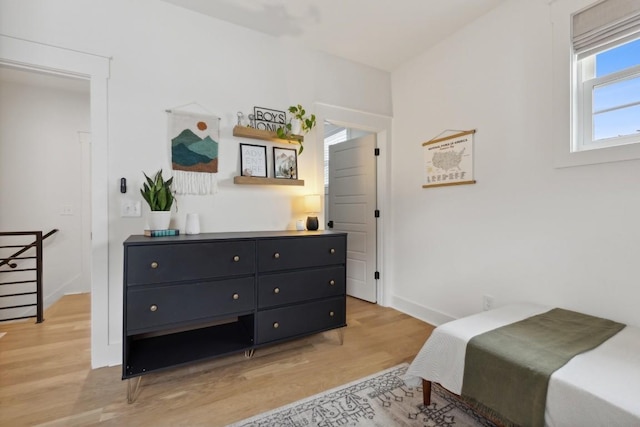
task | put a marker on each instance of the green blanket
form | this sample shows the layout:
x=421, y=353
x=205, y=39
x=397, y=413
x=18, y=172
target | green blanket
x=507, y=370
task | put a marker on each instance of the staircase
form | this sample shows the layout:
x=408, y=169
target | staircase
x=21, y=275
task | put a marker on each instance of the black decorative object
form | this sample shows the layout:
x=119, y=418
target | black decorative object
x=268, y=119
x=312, y=204
x=312, y=223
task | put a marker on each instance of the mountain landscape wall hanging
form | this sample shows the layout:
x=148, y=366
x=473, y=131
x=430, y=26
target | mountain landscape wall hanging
x=194, y=152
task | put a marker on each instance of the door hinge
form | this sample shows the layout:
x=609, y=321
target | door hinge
x=376, y=213
x=376, y=151
x=376, y=275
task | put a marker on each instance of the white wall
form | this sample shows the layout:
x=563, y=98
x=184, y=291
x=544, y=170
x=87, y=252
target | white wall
x=41, y=173
x=526, y=231
x=163, y=57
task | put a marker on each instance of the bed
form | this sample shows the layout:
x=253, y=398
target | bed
x=600, y=387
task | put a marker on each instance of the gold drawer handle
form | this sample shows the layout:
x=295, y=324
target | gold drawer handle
x=154, y=264
x=236, y=258
x=236, y=296
x=153, y=307
x=276, y=291
x=331, y=313
x=332, y=282
x=276, y=325
x=332, y=251
x=276, y=255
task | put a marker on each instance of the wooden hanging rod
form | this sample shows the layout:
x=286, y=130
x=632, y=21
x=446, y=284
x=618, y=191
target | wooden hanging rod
x=457, y=135
x=449, y=184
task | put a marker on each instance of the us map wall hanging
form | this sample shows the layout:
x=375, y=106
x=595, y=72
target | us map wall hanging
x=449, y=160
x=194, y=152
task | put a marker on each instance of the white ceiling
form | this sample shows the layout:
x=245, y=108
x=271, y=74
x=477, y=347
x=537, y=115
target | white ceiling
x=379, y=33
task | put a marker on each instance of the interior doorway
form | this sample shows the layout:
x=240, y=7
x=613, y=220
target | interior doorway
x=45, y=172
x=352, y=208
x=380, y=126
x=95, y=68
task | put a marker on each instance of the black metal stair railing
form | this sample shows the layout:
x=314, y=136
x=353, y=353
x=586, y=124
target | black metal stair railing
x=9, y=265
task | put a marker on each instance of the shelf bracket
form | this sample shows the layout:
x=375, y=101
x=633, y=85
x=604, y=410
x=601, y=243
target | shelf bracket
x=132, y=390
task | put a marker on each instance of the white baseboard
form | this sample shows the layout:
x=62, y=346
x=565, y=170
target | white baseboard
x=418, y=311
x=62, y=290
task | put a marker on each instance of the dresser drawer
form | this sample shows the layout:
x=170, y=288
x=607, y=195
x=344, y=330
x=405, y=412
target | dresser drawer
x=288, y=322
x=150, y=308
x=173, y=262
x=284, y=288
x=301, y=252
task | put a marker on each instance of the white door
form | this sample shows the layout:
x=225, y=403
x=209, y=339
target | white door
x=352, y=206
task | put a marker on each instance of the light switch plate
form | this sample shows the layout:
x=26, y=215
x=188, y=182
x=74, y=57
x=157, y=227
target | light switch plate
x=130, y=208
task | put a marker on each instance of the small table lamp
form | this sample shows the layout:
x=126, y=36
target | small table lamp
x=312, y=206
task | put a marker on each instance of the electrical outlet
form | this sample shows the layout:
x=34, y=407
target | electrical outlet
x=130, y=208
x=487, y=302
x=66, y=210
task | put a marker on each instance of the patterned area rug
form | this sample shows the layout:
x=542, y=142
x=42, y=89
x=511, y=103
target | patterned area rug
x=380, y=400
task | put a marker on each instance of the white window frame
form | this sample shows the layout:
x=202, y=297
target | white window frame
x=564, y=87
x=583, y=107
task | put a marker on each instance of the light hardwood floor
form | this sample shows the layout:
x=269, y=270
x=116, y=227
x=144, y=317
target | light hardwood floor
x=46, y=376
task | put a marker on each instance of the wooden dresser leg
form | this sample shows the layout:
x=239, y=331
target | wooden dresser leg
x=426, y=392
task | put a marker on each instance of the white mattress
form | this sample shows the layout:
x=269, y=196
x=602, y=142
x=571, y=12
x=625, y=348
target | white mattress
x=600, y=387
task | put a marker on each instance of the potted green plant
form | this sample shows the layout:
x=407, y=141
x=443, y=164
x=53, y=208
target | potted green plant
x=157, y=193
x=299, y=124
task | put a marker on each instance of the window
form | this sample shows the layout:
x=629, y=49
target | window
x=333, y=136
x=606, y=45
x=608, y=94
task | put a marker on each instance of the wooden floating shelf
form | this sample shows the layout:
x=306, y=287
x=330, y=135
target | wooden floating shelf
x=254, y=180
x=266, y=135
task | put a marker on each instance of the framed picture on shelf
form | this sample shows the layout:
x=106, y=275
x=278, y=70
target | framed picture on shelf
x=285, y=163
x=253, y=160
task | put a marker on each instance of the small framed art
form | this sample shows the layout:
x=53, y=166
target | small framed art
x=253, y=160
x=285, y=163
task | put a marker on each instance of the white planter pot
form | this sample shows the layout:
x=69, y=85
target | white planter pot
x=159, y=220
x=296, y=126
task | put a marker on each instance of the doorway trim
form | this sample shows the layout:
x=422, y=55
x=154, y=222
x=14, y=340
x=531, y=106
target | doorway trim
x=381, y=125
x=95, y=68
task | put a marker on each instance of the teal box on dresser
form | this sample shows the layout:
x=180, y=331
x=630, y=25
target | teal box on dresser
x=190, y=298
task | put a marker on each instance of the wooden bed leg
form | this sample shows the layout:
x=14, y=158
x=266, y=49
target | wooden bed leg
x=426, y=392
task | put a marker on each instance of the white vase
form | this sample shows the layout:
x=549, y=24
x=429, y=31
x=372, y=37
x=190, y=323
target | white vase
x=159, y=220
x=296, y=126
x=192, y=225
